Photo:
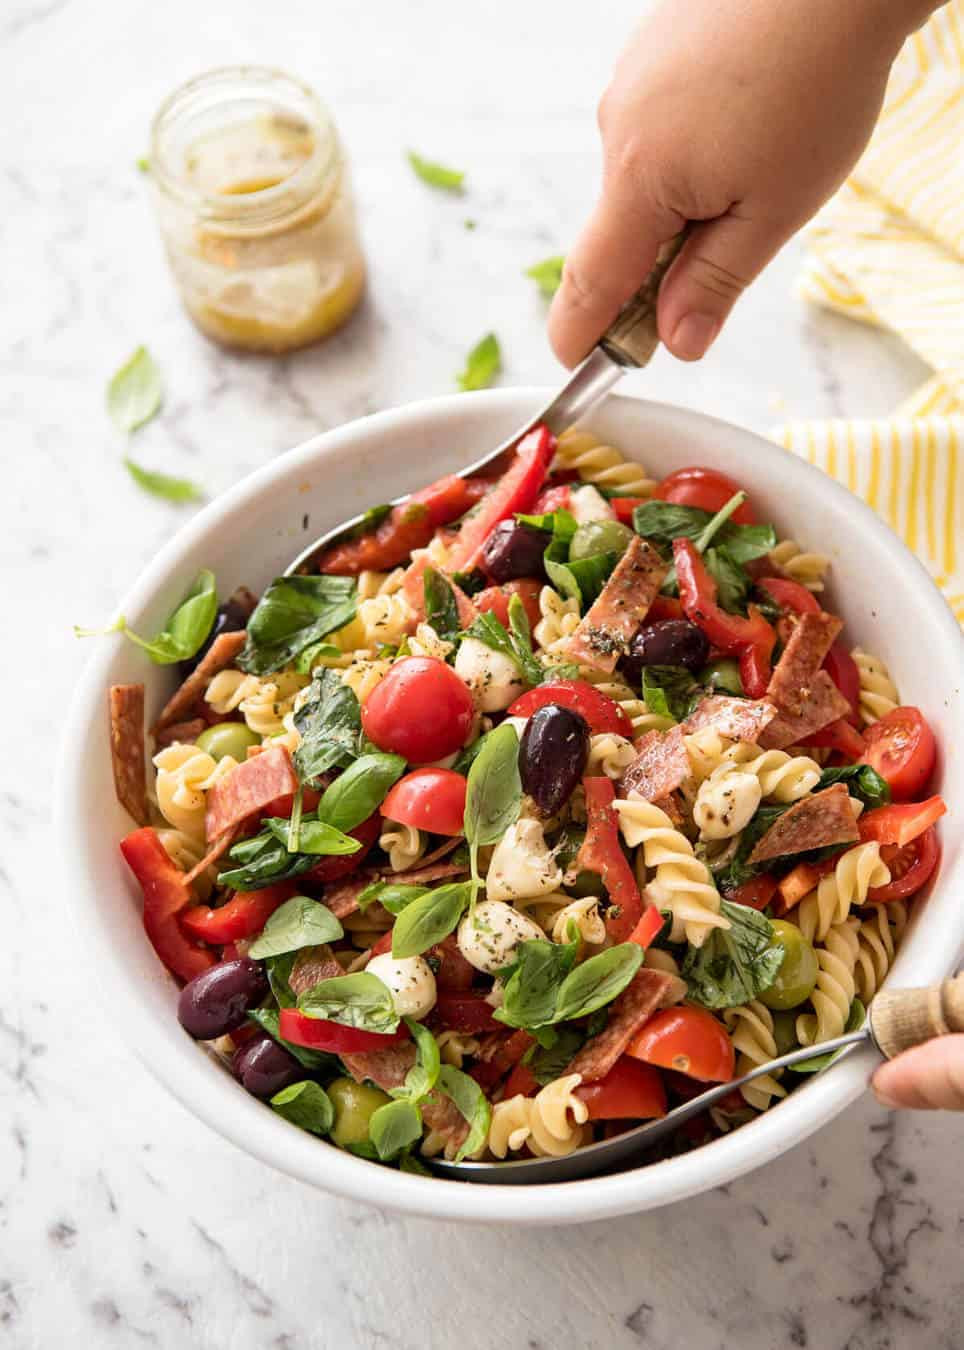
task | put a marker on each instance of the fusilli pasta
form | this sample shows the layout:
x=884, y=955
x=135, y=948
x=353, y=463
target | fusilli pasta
x=602, y=465
x=584, y=915
x=751, y=1031
x=427, y=642
x=404, y=845
x=185, y=853
x=878, y=693
x=809, y=569
x=559, y=619
x=834, y=993
x=385, y=619
x=610, y=755
x=184, y=774
x=263, y=703
x=363, y=675
x=454, y=1046
x=781, y=776
x=550, y=1124
x=836, y=893
x=875, y=952
x=726, y=802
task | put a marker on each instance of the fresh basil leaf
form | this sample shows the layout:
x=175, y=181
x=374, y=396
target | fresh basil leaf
x=423, y=1075
x=279, y=970
x=862, y=781
x=661, y=522
x=134, y=392
x=360, y=1000
x=734, y=965
x=370, y=521
x=597, y=981
x=360, y=790
x=473, y=1106
x=668, y=691
x=494, y=790
x=470, y=582
x=855, y=1020
x=436, y=175
x=547, y=274
x=305, y=662
x=560, y=525
x=316, y=1060
x=409, y=1163
x=262, y=861
x=429, y=919
x=441, y=610
x=718, y=520
x=185, y=631
x=745, y=543
x=299, y=922
x=363, y=1148
x=394, y=1127
x=329, y=720
x=294, y=613
x=162, y=484
x=515, y=643
x=306, y=1105
x=531, y=992
x=393, y=896
x=314, y=837
x=581, y=579
x=732, y=581
x=482, y=364
x=547, y=1063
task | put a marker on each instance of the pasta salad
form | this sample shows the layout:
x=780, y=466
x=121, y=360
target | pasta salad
x=545, y=802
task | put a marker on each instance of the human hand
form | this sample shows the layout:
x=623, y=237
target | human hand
x=930, y=1077
x=743, y=114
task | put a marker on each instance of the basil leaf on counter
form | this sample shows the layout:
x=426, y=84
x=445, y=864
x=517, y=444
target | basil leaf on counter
x=162, y=484
x=547, y=274
x=262, y=861
x=669, y=691
x=314, y=837
x=472, y=1104
x=185, y=631
x=329, y=721
x=482, y=364
x=360, y=1000
x=429, y=919
x=598, y=981
x=317, y=1060
x=294, y=613
x=391, y=895
x=441, y=610
x=862, y=781
x=393, y=1127
x=360, y=790
x=306, y=1105
x=299, y=922
x=736, y=964
x=531, y=992
x=423, y=1075
x=134, y=391
x=436, y=175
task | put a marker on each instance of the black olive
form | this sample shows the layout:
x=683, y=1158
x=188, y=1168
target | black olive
x=514, y=550
x=671, y=642
x=552, y=756
x=218, y=1000
x=264, y=1067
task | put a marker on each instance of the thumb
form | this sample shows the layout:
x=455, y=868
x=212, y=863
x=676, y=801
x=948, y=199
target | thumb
x=719, y=260
x=929, y=1077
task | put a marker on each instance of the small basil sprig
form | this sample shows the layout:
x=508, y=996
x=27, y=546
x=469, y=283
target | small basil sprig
x=441, y=609
x=295, y=613
x=515, y=644
x=669, y=691
x=306, y=1105
x=863, y=782
x=391, y=895
x=472, y=1104
x=394, y=1127
x=531, y=991
x=360, y=790
x=314, y=837
x=563, y=995
x=299, y=922
x=430, y=918
x=185, y=631
x=134, y=392
x=360, y=1000
x=263, y=860
x=329, y=722
x=423, y=1075
x=493, y=794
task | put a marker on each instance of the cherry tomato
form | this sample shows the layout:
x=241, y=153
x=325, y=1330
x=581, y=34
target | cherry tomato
x=599, y=710
x=902, y=749
x=911, y=868
x=520, y=1082
x=320, y=1034
x=630, y=1091
x=465, y=1012
x=553, y=498
x=496, y=599
x=428, y=799
x=625, y=506
x=420, y=710
x=281, y=806
x=900, y=824
x=842, y=669
x=689, y=1040
x=335, y=866
x=705, y=488
x=453, y=974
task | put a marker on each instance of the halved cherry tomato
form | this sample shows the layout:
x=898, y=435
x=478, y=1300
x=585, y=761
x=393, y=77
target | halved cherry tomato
x=495, y=600
x=789, y=595
x=602, y=852
x=689, y=1040
x=407, y=526
x=647, y=928
x=319, y=1034
x=900, y=824
x=705, y=488
x=465, y=1012
x=420, y=710
x=166, y=896
x=630, y=1091
x=911, y=868
x=428, y=799
x=902, y=749
x=625, y=506
x=839, y=736
x=842, y=669
x=515, y=491
x=335, y=866
x=520, y=1082
x=245, y=914
x=558, y=497
x=755, y=893
x=600, y=711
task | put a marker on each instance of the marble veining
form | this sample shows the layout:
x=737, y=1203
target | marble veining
x=123, y=1221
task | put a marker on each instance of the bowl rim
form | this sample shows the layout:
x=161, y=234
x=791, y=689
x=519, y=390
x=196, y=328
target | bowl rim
x=211, y=1094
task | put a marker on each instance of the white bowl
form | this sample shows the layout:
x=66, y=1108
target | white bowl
x=250, y=533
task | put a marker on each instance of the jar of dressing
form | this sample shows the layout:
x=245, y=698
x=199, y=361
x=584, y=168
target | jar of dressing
x=255, y=209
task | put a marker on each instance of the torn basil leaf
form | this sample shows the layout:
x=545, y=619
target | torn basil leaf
x=299, y=922
x=306, y=1105
x=134, y=392
x=436, y=175
x=441, y=609
x=482, y=364
x=295, y=613
x=360, y=1000
x=329, y=721
x=734, y=965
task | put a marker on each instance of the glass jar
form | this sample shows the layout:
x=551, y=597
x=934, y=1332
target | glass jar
x=255, y=208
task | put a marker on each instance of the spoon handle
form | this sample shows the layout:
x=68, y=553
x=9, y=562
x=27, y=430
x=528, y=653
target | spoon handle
x=901, y=1018
x=633, y=337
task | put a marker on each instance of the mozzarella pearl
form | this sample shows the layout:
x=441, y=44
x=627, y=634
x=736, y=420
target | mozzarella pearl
x=522, y=864
x=492, y=676
x=410, y=980
x=488, y=938
x=587, y=503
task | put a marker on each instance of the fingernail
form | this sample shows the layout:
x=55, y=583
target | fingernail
x=693, y=335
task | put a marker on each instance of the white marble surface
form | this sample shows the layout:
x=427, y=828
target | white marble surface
x=122, y=1220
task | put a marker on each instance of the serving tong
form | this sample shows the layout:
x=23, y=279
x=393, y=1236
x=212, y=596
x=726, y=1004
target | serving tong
x=897, y=1019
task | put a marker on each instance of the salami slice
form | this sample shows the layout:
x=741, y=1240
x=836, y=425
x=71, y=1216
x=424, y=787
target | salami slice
x=670, y=805
x=824, y=704
x=312, y=965
x=342, y=897
x=184, y=733
x=126, y=707
x=647, y=991
x=825, y=818
x=605, y=632
x=812, y=637
x=738, y=719
x=223, y=650
x=216, y=851
x=388, y=1068
x=250, y=787
x=660, y=766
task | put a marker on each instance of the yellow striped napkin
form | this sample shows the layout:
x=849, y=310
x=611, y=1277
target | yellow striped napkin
x=888, y=250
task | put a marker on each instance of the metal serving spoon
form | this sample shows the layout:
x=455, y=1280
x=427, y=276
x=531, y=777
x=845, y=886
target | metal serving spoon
x=897, y=1020
x=628, y=344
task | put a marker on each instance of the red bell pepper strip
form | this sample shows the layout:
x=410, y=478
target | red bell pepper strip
x=840, y=736
x=515, y=491
x=166, y=895
x=647, y=928
x=319, y=1034
x=602, y=852
x=901, y=823
x=465, y=1012
x=602, y=713
x=244, y=915
x=751, y=639
x=800, y=882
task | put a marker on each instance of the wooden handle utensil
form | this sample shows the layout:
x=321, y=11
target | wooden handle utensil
x=901, y=1018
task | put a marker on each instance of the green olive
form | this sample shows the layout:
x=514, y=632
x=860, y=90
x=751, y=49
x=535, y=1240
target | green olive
x=723, y=675
x=228, y=738
x=785, y=1032
x=355, y=1104
x=599, y=536
x=797, y=975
